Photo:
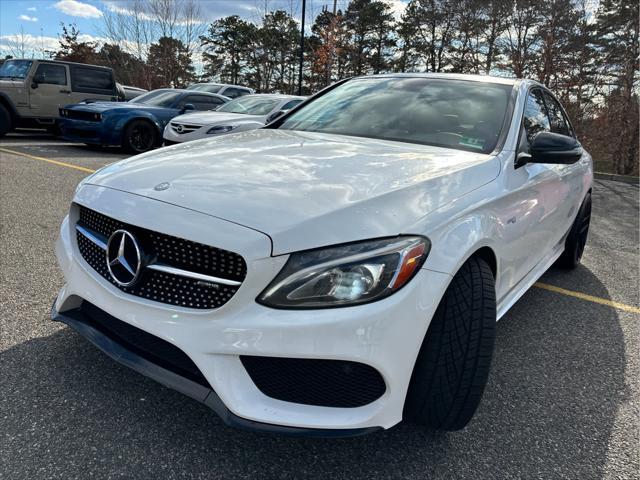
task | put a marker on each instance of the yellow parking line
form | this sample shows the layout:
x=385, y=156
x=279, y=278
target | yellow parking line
x=588, y=298
x=42, y=159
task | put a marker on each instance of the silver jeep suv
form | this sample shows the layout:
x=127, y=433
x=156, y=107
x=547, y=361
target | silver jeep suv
x=32, y=91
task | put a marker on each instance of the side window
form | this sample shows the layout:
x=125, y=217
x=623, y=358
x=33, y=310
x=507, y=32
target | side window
x=290, y=105
x=92, y=80
x=557, y=119
x=51, y=74
x=201, y=102
x=233, y=92
x=536, y=119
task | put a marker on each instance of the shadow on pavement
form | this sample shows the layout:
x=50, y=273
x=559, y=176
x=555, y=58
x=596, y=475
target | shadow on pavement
x=557, y=379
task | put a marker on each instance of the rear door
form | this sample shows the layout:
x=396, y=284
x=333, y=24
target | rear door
x=52, y=90
x=91, y=83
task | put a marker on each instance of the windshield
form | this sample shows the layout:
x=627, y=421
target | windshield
x=15, y=69
x=250, y=105
x=157, y=98
x=458, y=114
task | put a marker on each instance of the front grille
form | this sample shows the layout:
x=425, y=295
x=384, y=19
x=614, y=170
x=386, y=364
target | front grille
x=325, y=383
x=171, y=251
x=148, y=346
x=182, y=128
x=80, y=115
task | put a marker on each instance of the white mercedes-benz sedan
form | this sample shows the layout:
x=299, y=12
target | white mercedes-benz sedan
x=341, y=269
x=240, y=115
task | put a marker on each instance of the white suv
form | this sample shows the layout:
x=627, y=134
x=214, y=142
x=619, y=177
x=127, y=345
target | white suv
x=341, y=269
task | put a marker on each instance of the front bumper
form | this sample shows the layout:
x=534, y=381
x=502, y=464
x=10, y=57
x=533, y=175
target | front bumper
x=82, y=324
x=84, y=131
x=386, y=335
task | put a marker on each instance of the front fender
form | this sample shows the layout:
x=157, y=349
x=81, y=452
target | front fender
x=123, y=120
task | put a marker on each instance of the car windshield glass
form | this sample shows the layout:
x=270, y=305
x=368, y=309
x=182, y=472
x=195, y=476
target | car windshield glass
x=157, y=98
x=460, y=114
x=15, y=69
x=250, y=105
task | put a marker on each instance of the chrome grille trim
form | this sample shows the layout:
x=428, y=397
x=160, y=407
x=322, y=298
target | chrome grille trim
x=97, y=239
x=196, y=276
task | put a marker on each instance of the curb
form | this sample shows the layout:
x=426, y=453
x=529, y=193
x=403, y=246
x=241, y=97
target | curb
x=616, y=178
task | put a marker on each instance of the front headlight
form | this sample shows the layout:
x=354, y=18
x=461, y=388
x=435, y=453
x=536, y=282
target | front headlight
x=220, y=129
x=344, y=275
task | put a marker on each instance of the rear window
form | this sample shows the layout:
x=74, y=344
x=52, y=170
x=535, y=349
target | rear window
x=91, y=80
x=460, y=114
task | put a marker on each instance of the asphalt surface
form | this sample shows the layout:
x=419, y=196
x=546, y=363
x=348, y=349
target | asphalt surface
x=563, y=399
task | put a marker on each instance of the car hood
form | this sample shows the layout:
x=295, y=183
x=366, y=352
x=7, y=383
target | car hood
x=304, y=189
x=11, y=83
x=216, y=118
x=101, y=107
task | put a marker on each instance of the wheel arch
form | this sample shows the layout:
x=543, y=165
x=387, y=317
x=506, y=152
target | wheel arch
x=145, y=118
x=6, y=103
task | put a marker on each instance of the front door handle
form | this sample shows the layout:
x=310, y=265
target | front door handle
x=65, y=91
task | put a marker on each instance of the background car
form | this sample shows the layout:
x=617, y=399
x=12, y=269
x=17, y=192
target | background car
x=127, y=92
x=32, y=91
x=136, y=125
x=239, y=115
x=231, y=91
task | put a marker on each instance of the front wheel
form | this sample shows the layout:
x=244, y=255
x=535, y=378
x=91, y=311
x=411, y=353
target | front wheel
x=139, y=136
x=453, y=364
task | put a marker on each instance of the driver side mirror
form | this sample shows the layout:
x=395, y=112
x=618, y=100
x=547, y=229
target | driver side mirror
x=275, y=115
x=35, y=82
x=187, y=107
x=548, y=147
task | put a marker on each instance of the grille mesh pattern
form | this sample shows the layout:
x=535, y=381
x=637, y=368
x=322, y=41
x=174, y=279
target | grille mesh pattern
x=326, y=383
x=175, y=252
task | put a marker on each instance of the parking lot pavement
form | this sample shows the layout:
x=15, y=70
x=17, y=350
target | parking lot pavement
x=563, y=398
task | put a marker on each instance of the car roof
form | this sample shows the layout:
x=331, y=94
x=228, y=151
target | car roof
x=274, y=95
x=222, y=85
x=450, y=76
x=185, y=91
x=61, y=62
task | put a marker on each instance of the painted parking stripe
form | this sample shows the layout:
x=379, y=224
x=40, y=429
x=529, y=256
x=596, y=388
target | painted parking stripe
x=48, y=160
x=588, y=298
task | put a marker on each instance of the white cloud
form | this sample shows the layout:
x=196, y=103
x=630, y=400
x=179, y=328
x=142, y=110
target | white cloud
x=397, y=8
x=78, y=9
x=32, y=9
x=27, y=18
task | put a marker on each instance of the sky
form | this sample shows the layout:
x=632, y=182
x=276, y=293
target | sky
x=36, y=23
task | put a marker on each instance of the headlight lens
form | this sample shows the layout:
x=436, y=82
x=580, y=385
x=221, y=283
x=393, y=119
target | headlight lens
x=220, y=129
x=346, y=275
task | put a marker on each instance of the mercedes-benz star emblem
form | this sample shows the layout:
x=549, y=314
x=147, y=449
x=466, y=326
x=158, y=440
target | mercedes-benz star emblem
x=124, y=259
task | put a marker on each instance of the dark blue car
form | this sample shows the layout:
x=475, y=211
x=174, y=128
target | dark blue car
x=136, y=125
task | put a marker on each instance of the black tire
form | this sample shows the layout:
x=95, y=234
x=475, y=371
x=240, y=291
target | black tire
x=577, y=238
x=140, y=136
x=6, y=123
x=453, y=364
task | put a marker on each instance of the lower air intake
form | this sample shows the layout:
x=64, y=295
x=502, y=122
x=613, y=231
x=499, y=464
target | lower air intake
x=323, y=383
